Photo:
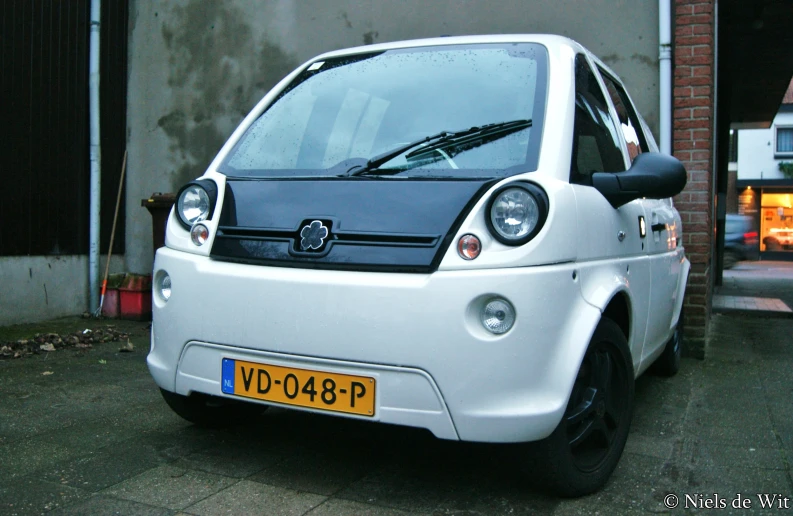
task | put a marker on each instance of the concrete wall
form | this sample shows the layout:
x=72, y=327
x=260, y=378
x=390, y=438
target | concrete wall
x=35, y=288
x=756, y=150
x=197, y=67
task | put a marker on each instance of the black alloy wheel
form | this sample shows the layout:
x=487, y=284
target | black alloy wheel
x=596, y=407
x=584, y=449
x=731, y=259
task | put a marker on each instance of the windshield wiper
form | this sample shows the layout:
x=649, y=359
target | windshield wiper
x=378, y=160
x=485, y=134
x=482, y=133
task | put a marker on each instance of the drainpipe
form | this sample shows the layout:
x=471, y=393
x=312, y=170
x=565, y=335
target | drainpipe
x=665, y=79
x=96, y=157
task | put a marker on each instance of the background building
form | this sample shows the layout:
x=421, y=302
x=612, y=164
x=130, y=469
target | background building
x=764, y=181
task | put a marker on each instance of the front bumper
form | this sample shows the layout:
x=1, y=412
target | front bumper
x=419, y=335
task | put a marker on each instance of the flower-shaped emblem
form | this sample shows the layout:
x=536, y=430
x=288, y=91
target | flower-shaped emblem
x=313, y=235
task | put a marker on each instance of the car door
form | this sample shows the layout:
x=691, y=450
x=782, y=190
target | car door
x=609, y=239
x=662, y=226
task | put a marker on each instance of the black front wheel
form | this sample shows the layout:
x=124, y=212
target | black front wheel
x=731, y=259
x=212, y=411
x=582, y=452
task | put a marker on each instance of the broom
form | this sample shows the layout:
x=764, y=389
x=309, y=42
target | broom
x=98, y=311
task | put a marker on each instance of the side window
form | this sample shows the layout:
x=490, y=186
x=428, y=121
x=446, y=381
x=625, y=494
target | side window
x=596, y=146
x=629, y=122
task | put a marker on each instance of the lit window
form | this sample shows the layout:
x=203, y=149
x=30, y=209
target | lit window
x=733, y=147
x=784, y=140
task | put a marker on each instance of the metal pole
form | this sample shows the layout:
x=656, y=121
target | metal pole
x=665, y=79
x=96, y=158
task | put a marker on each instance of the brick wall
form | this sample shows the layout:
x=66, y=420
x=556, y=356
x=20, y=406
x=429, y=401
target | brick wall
x=692, y=143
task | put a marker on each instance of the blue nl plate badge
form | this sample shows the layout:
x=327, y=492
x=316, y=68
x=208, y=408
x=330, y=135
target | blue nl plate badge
x=227, y=376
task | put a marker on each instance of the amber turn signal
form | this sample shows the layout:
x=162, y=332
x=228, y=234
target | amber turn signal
x=469, y=247
x=199, y=234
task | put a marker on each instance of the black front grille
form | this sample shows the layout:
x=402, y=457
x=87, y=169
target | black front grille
x=393, y=226
x=341, y=237
x=392, y=252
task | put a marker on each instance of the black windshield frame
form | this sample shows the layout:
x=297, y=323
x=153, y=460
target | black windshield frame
x=535, y=51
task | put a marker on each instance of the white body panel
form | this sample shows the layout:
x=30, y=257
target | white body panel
x=419, y=335
x=508, y=388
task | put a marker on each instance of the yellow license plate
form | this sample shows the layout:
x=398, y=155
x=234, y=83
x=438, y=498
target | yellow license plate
x=302, y=387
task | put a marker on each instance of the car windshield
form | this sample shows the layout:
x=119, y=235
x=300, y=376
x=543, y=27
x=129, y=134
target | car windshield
x=340, y=113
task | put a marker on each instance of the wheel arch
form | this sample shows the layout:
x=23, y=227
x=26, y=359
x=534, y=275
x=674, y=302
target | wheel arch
x=609, y=289
x=618, y=310
x=580, y=325
x=680, y=293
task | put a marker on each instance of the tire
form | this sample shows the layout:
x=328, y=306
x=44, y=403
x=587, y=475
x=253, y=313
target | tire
x=731, y=259
x=210, y=411
x=668, y=364
x=580, y=455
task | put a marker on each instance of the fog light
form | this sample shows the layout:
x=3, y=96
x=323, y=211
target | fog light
x=199, y=234
x=498, y=316
x=165, y=286
x=469, y=247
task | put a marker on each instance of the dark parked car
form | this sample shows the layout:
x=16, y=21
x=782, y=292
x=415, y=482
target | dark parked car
x=740, y=240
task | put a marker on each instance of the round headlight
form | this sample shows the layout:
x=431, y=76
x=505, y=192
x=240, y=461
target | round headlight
x=498, y=316
x=193, y=205
x=516, y=213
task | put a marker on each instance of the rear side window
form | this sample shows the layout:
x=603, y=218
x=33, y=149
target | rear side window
x=737, y=224
x=596, y=146
x=629, y=121
x=733, y=226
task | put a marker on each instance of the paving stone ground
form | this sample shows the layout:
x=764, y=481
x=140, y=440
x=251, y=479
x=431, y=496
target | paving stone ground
x=743, y=303
x=86, y=432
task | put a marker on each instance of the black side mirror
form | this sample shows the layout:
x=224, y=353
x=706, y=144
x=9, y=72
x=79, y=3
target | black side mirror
x=653, y=175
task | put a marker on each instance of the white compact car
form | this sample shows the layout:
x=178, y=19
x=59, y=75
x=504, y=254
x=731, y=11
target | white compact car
x=472, y=235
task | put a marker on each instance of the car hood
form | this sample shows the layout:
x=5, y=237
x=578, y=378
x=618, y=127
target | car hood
x=393, y=224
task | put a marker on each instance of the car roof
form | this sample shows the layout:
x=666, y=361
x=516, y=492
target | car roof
x=544, y=39
x=548, y=40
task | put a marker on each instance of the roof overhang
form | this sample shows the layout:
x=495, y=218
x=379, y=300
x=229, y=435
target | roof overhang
x=755, y=58
x=764, y=183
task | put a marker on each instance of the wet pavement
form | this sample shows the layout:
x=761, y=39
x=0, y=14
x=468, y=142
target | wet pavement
x=763, y=279
x=85, y=431
x=766, y=305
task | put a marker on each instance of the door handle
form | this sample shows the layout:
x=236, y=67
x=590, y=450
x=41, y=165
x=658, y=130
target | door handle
x=658, y=227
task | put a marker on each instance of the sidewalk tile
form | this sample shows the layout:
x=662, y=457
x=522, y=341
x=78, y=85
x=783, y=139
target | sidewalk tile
x=254, y=498
x=713, y=455
x=316, y=472
x=748, y=303
x=335, y=507
x=170, y=487
x=101, y=504
x=31, y=495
